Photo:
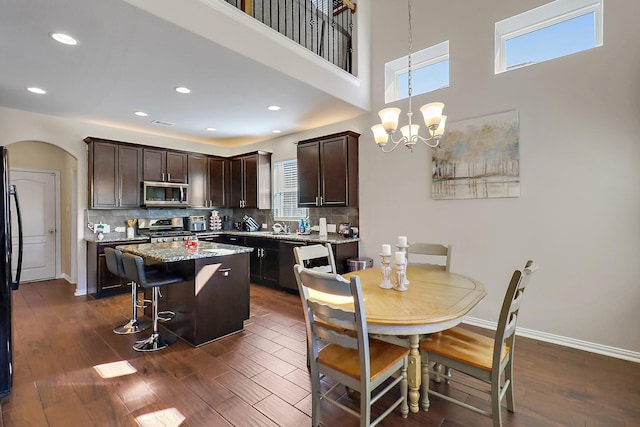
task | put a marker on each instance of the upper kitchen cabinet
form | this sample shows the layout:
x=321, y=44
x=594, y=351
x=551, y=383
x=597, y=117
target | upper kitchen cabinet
x=250, y=185
x=198, y=181
x=328, y=171
x=115, y=173
x=208, y=181
x=219, y=182
x=164, y=165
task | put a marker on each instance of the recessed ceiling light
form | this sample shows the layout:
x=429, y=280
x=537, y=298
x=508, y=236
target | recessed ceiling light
x=36, y=90
x=211, y=129
x=273, y=108
x=276, y=131
x=182, y=89
x=64, y=39
x=141, y=113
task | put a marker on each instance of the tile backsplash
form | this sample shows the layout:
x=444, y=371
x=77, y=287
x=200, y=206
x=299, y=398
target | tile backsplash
x=118, y=217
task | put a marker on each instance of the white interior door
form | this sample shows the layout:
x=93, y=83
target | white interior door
x=37, y=197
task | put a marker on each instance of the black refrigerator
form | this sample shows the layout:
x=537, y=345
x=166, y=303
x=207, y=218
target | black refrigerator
x=7, y=282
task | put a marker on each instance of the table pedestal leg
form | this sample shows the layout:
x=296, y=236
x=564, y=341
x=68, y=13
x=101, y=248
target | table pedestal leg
x=414, y=372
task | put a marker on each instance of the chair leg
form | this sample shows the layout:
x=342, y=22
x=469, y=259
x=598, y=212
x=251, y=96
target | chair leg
x=315, y=397
x=508, y=373
x=496, y=412
x=365, y=406
x=134, y=325
x=425, y=382
x=155, y=341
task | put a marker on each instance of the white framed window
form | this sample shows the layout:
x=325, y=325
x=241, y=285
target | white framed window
x=551, y=31
x=429, y=72
x=285, y=191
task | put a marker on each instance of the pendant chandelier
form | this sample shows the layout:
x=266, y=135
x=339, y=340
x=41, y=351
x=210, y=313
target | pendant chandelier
x=432, y=113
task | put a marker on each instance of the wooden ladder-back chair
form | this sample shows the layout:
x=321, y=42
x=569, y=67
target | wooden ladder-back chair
x=430, y=250
x=479, y=356
x=349, y=357
x=317, y=257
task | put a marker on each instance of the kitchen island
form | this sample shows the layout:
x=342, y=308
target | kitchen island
x=213, y=299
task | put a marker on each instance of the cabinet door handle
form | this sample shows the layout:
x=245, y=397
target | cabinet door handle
x=225, y=271
x=168, y=176
x=316, y=200
x=163, y=176
x=321, y=200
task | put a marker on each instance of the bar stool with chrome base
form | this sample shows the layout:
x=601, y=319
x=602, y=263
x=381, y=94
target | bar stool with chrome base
x=116, y=267
x=136, y=271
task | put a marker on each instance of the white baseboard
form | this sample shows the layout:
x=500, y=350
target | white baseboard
x=619, y=353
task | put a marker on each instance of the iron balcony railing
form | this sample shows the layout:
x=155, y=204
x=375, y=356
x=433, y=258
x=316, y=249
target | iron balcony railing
x=324, y=27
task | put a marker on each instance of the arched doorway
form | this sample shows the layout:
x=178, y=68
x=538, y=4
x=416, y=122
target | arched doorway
x=41, y=159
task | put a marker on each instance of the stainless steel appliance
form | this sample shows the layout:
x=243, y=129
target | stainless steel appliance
x=161, y=230
x=7, y=282
x=164, y=194
x=196, y=223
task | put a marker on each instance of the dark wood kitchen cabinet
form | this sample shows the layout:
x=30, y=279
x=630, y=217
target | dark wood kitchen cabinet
x=208, y=181
x=286, y=261
x=115, y=173
x=264, y=264
x=219, y=181
x=100, y=281
x=328, y=171
x=250, y=185
x=164, y=165
x=198, y=194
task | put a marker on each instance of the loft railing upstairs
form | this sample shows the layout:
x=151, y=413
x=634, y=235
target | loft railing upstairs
x=324, y=27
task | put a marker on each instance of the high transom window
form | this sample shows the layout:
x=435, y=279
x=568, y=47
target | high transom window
x=429, y=71
x=554, y=30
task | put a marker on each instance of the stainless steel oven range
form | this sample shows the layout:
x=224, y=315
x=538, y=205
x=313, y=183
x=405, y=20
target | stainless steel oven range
x=163, y=229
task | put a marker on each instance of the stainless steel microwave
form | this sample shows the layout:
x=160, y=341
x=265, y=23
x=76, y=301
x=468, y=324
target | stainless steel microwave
x=164, y=194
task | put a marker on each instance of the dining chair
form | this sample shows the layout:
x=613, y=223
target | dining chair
x=430, y=252
x=478, y=356
x=349, y=356
x=317, y=257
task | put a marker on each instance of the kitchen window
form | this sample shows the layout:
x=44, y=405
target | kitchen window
x=285, y=192
x=551, y=31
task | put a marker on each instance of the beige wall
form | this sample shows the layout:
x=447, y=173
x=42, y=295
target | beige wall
x=43, y=156
x=579, y=210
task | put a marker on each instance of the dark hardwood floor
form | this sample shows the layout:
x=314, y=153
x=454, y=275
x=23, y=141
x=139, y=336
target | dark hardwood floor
x=257, y=377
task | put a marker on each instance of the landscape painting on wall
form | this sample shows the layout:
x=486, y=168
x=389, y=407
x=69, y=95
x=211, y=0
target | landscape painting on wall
x=478, y=159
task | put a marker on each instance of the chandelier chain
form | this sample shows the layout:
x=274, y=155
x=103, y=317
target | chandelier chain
x=409, y=55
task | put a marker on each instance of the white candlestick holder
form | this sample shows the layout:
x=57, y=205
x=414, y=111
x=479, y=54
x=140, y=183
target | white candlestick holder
x=386, y=271
x=403, y=249
x=401, y=269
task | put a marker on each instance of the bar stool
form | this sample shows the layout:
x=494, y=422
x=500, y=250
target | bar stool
x=116, y=267
x=147, y=278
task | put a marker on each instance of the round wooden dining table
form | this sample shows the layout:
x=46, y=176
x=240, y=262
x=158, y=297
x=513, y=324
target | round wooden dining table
x=435, y=300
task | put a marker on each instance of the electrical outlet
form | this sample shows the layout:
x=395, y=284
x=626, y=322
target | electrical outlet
x=264, y=226
x=331, y=228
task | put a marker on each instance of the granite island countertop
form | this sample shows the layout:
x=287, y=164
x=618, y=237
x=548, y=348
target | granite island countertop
x=177, y=251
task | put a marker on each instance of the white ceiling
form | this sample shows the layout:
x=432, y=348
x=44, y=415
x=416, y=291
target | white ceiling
x=129, y=60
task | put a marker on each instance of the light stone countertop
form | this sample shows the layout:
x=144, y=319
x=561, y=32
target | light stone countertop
x=177, y=251
x=333, y=238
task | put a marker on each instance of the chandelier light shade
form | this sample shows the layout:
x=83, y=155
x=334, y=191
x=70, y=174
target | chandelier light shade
x=389, y=117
